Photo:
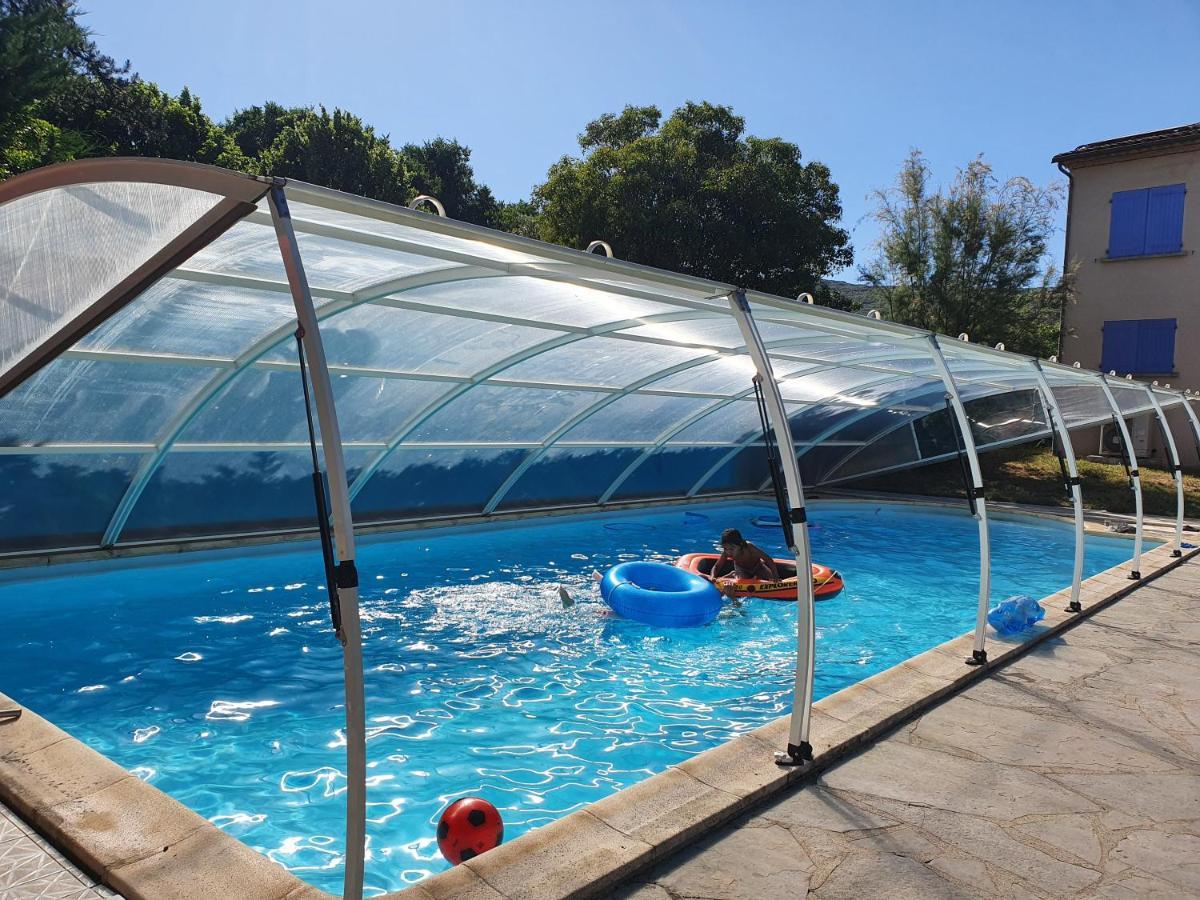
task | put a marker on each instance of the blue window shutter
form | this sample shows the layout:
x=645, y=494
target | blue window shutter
x=1155, y=346
x=1120, y=346
x=1164, y=219
x=1127, y=226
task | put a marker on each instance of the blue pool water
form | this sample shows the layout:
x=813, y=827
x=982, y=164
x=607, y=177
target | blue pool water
x=218, y=679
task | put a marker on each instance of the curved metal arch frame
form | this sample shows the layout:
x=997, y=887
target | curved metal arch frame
x=1193, y=419
x=212, y=389
x=979, y=504
x=1176, y=468
x=1134, y=477
x=240, y=194
x=1056, y=420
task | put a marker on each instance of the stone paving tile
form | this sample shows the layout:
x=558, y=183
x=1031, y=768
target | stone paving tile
x=1073, y=771
x=31, y=868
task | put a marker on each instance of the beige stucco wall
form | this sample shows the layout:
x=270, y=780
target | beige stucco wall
x=1140, y=287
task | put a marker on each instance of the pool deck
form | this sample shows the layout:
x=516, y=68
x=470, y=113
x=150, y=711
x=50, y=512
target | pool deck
x=30, y=867
x=1072, y=771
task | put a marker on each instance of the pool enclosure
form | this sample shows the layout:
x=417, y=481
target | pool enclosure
x=182, y=346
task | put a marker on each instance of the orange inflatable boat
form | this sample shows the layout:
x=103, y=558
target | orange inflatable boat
x=826, y=582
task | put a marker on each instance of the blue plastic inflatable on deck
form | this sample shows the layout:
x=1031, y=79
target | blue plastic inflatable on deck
x=659, y=594
x=1015, y=614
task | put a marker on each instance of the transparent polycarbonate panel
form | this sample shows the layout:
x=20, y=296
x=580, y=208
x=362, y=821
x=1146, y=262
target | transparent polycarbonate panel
x=870, y=424
x=637, y=417
x=671, y=472
x=362, y=221
x=539, y=300
x=895, y=448
x=814, y=422
x=249, y=249
x=1081, y=404
x=268, y=405
x=832, y=383
x=76, y=400
x=414, y=482
x=61, y=250
x=909, y=392
x=726, y=375
x=195, y=319
x=602, y=362
x=843, y=351
x=227, y=493
x=716, y=331
x=710, y=296
x=744, y=471
x=503, y=414
x=1131, y=400
x=568, y=475
x=347, y=266
x=732, y=423
x=1005, y=417
x=816, y=462
x=59, y=500
x=937, y=434
x=402, y=340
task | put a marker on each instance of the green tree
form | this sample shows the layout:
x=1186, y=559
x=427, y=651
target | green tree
x=335, y=150
x=693, y=194
x=43, y=49
x=131, y=117
x=971, y=259
x=442, y=168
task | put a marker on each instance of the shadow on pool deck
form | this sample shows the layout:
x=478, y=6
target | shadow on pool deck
x=1074, y=770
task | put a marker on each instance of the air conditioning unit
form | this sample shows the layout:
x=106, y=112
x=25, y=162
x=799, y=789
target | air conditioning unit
x=1139, y=433
x=1110, y=440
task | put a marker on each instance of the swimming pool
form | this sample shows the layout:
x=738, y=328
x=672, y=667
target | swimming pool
x=217, y=677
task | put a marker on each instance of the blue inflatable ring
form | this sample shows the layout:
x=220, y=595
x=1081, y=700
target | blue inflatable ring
x=659, y=594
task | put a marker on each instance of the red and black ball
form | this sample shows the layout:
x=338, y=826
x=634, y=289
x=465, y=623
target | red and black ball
x=469, y=826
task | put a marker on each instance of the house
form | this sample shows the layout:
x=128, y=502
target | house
x=1133, y=228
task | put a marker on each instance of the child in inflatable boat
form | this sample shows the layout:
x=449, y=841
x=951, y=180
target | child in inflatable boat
x=747, y=561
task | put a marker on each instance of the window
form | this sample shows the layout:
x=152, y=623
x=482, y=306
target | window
x=1139, y=346
x=1146, y=222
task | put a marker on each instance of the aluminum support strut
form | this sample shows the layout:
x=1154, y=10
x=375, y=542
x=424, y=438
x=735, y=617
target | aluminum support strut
x=1059, y=424
x=978, y=504
x=1176, y=469
x=1194, y=419
x=1135, y=481
x=343, y=527
x=799, y=748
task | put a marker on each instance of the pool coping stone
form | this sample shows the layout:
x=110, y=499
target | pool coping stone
x=136, y=839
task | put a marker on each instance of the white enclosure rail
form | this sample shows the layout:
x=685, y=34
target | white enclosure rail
x=1194, y=420
x=347, y=575
x=975, y=497
x=1059, y=424
x=799, y=748
x=1135, y=481
x=1176, y=469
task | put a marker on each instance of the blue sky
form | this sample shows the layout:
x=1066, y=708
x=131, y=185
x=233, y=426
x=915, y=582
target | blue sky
x=854, y=84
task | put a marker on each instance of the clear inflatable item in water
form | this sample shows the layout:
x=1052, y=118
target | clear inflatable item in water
x=1015, y=614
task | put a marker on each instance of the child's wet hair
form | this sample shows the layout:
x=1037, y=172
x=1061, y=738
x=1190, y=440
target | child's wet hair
x=732, y=536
